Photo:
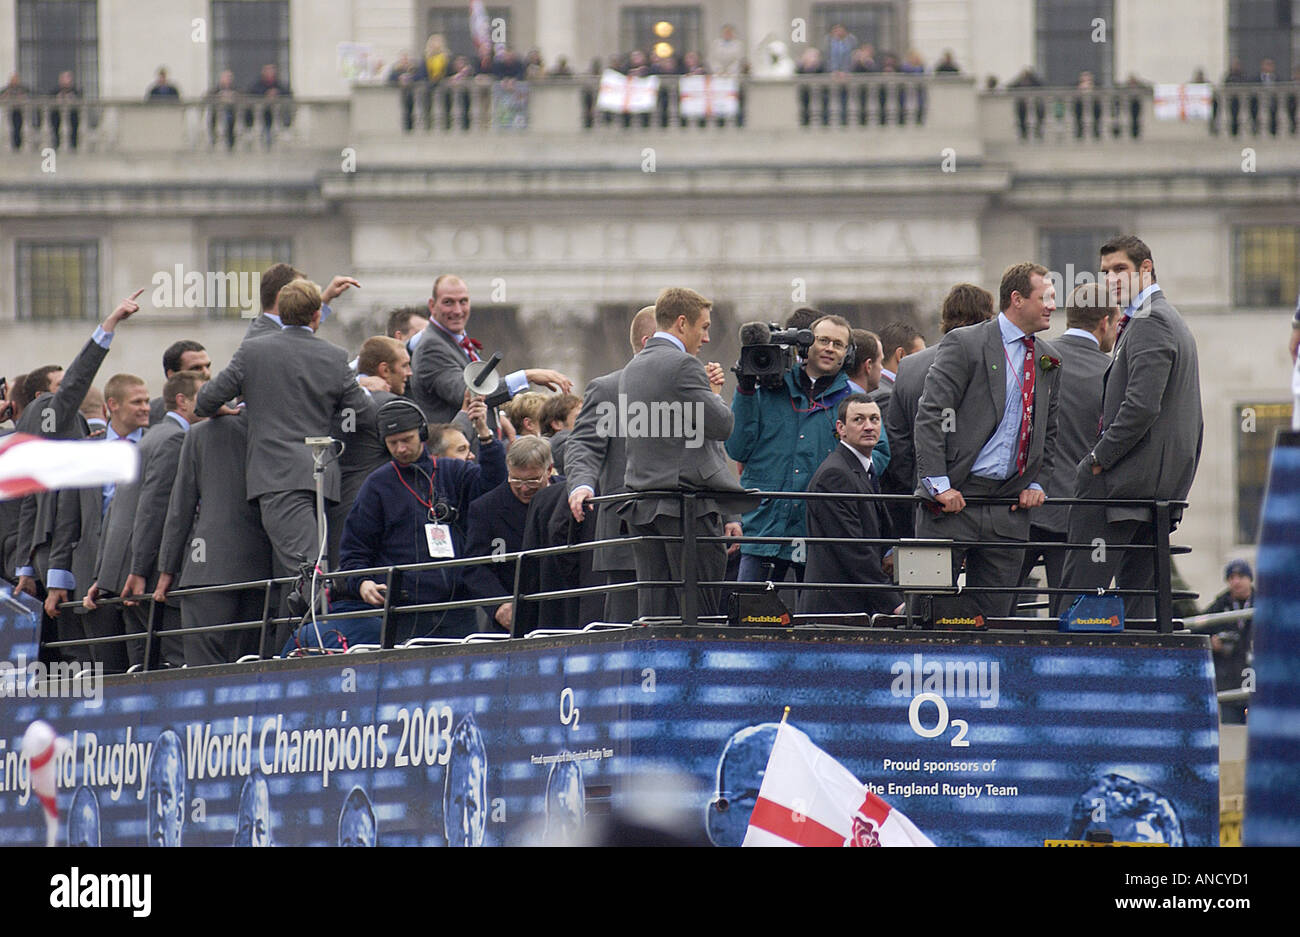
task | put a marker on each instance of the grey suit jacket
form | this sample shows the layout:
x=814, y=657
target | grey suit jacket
x=157, y=410
x=900, y=417
x=261, y=325
x=294, y=385
x=963, y=403
x=438, y=376
x=113, y=561
x=213, y=533
x=160, y=456
x=1151, y=412
x=660, y=379
x=54, y=416
x=364, y=450
x=79, y=522
x=1082, y=367
x=596, y=458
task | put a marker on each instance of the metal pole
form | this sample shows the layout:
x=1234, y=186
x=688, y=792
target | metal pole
x=1164, y=573
x=690, y=604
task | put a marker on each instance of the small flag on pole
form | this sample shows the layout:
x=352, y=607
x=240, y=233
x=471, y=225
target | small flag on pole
x=810, y=799
x=30, y=464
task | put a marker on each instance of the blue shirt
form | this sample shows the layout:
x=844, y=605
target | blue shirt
x=1082, y=333
x=1139, y=299
x=671, y=337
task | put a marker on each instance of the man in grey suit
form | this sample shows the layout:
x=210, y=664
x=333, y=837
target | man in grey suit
x=965, y=304
x=986, y=426
x=294, y=386
x=183, y=355
x=898, y=340
x=597, y=462
x=445, y=348
x=1091, y=323
x=79, y=523
x=676, y=453
x=213, y=535
x=1151, y=426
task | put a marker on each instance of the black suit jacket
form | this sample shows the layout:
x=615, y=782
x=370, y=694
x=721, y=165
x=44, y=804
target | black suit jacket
x=846, y=562
x=495, y=525
x=160, y=456
x=1083, y=367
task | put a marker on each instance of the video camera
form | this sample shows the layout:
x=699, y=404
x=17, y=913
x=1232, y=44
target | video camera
x=767, y=352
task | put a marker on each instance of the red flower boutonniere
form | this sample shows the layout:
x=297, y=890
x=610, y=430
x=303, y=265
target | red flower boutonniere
x=1048, y=363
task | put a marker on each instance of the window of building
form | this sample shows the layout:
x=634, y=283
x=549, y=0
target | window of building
x=56, y=36
x=666, y=30
x=1065, y=32
x=452, y=23
x=1264, y=29
x=58, y=280
x=1257, y=426
x=247, y=34
x=874, y=23
x=246, y=258
x=874, y=314
x=1266, y=265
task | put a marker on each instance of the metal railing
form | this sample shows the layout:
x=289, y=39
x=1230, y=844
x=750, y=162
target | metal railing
x=690, y=585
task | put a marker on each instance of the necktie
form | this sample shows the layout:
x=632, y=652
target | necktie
x=1123, y=324
x=471, y=347
x=1026, y=406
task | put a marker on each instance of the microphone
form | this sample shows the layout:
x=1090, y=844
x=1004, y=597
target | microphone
x=755, y=333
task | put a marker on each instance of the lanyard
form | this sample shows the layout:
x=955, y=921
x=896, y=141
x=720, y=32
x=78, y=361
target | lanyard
x=428, y=505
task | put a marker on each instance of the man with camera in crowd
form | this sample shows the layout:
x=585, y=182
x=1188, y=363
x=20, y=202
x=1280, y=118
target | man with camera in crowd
x=785, y=428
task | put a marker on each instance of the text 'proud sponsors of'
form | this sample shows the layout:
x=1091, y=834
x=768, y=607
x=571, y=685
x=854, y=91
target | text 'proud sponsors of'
x=422, y=739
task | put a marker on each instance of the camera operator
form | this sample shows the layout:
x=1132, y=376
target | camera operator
x=784, y=428
x=411, y=510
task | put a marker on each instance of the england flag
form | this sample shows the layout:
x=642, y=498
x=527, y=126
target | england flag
x=810, y=799
x=30, y=464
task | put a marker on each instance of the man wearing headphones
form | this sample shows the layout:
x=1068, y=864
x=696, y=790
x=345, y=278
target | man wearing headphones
x=410, y=510
x=781, y=435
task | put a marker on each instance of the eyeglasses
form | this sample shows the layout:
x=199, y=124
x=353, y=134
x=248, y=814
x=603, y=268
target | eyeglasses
x=531, y=483
x=832, y=342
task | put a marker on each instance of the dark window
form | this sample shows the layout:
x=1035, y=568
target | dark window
x=676, y=27
x=56, y=36
x=247, y=34
x=607, y=346
x=1066, y=30
x=453, y=24
x=874, y=314
x=58, y=281
x=874, y=23
x=1257, y=425
x=1072, y=253
x=1264, y=29
x=248, y=256
x=1266, y=265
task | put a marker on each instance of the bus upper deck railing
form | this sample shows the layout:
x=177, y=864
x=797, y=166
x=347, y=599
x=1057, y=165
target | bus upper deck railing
x=690, y=585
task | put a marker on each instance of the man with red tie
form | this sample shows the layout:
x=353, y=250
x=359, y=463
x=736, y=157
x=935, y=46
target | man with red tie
x=438, y=362
x=986, y=427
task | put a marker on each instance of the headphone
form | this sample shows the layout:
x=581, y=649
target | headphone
x=850, y=356
x=391, y=412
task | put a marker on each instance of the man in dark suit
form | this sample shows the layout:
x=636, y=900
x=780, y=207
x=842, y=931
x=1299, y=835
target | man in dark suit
x=274, y=279
x=1085, y=354
x=897, y=341
x=184, y=355
x=848, y=469
x=496, y=523
x=597, y=463
x=294, y=386
x=1151, y=430
x=445, y=348
x=79, y=521
x=677, y=453
x=965, y=304
x=128, y=550
x=213, y=535
x=986, y=426
x=54, y=412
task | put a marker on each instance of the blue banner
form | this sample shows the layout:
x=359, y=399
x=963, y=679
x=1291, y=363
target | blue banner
x=979, y=739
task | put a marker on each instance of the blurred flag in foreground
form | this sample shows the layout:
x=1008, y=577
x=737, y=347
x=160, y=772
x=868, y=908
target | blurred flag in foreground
x=810, y=799
x=29, y=464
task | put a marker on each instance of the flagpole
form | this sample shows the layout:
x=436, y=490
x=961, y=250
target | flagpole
x=785, y=715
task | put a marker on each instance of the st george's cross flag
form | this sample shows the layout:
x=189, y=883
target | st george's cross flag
x=29, y=464
x=809, y=799
x=620, y=94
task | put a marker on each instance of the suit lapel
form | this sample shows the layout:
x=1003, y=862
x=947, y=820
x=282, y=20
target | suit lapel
x=995, y=361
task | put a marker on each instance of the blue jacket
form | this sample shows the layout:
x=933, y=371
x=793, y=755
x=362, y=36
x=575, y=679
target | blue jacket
x=781, y=437
x=386, y=524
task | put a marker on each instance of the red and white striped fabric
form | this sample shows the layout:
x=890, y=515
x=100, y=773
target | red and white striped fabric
x=620, y=94
x=29, y=464
x=810, y=799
